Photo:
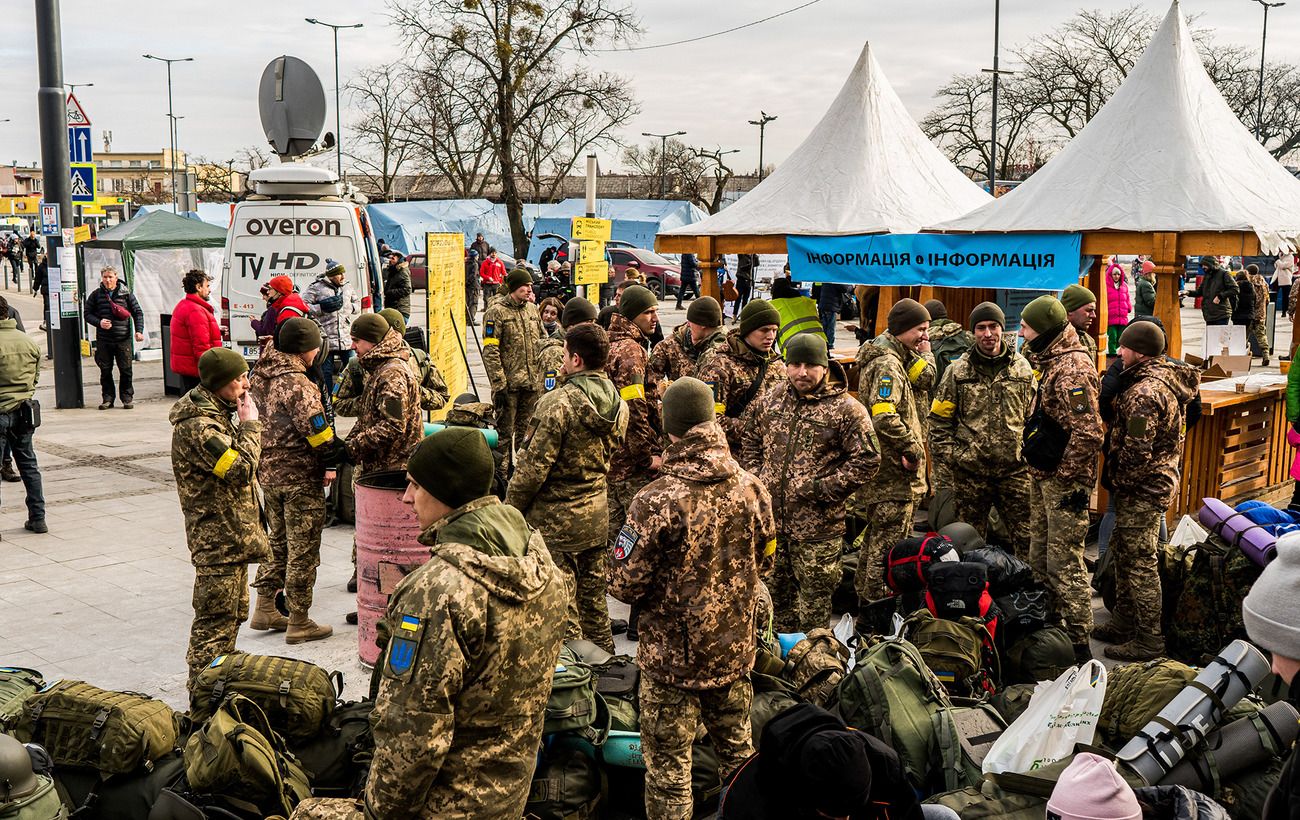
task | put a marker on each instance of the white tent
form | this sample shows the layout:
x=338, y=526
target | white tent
x=866, y=168
x=1165, y=153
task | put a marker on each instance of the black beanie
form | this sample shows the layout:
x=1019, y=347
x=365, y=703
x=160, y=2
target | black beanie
x=936, y=309
x=576, y=311
x=987, y=312
x=835, y=773
x=905, y=315
x=686, y=403
x=705, y=311
x=219, y=366
x=517, y=278
x=298, y=335
x=454, y=465
x=755, y=314
x=807, y=348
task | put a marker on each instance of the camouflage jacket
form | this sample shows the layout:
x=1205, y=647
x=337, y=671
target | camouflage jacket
x=550, y=363
x=388, y=419
x=1146, y=440
x=978, y=413
x=678, y=356
x=887, y=372
x=1068, y=387
x=510, y=333
x=348, y=387
x=690, y=555
x=941, y=329
x=559, y=482
x=215, y=460
x=465, y=678
x=1089, y=343
x=428, y=380
x=811, y=452
x=628, y=360
x=298, y=442
x=730, y=369
x=1259, y=295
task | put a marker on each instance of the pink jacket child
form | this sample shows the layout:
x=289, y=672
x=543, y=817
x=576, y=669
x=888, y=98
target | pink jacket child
x=1119, y=304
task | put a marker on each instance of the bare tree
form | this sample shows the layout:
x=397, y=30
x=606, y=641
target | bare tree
x=217, y=181
x=694, y=174
x=449, y=125
x=960, y=122
x=383, y=95
x=517, y=48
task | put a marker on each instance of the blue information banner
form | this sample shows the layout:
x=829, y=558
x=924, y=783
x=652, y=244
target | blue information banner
x=1016, y=261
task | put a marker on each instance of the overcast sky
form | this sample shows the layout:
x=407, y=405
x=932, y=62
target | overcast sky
x=791, y=67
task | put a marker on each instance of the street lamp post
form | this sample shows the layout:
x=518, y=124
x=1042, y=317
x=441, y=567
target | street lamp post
x=993, y=113
x=762, y=121
x=1259, y=115
x=663, y=159
x=171, y=117
x=338, y=117
x=72, y=87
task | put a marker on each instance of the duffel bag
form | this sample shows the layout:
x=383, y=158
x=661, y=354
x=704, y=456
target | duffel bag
x=567, y=785
x=111, y=732
x=16, y=686
x=122, y=797
x=297, y=697
x=338, y=761
x=908, y=563
x=1006, y=572
x=1038, y=656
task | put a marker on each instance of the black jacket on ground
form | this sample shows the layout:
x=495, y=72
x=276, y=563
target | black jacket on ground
x=768, y=786
x=97, y=309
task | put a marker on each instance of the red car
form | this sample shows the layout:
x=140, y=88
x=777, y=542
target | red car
x=420, y=270
x=663, y=276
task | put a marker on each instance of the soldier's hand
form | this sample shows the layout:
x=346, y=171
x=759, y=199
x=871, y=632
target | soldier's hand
x=247, y=408
x=909, y=464
x=655, y=463
x=330, y=475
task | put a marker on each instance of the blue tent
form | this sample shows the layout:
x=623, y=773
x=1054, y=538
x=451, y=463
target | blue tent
x=404, y=224
x=635, y=220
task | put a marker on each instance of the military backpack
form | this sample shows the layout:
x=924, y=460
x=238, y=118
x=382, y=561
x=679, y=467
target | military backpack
x=298, y=697
x=959, y=651
x=1041, y=655
x=949, y=349
x=816, y=665
x=41, y=804
x=567, y=785
x=112, y=732
x=16, y=686
x=1203, y=587
x=573, y=705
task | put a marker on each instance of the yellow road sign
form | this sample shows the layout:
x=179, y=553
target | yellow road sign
x=591, y=273
x=588, y=228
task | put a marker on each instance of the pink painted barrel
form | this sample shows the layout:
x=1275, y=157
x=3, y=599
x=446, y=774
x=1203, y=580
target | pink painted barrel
x=387, y=550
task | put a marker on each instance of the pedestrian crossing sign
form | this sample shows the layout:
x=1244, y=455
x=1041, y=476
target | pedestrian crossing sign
x=83, y=182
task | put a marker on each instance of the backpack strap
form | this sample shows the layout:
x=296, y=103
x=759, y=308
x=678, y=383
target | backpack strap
x=752, y=392
x=949, y=745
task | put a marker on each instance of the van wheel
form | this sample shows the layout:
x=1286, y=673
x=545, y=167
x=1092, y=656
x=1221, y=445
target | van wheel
x=656, y=287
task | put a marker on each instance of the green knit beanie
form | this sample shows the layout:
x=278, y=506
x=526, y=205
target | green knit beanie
x=454, y=465
x=395, y=320
x=757, y=313
x=1075, y=297
x=1044, y=313
x=687, y=402
x=577, y=311
x=705, y=311
x=987, y=312
x=905, y=315
x=517, y=278
x=219, y=366
x=806, y=348
x=370, y=327
x=635, y=301
x=936, y=309
x=1143, y=337
x=298, y=335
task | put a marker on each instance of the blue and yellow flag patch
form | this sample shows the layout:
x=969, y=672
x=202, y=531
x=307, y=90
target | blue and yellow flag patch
x=550, y=379
x=404, y=647
x=886, y=388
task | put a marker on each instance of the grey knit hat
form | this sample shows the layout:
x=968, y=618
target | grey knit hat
x=1269, y=611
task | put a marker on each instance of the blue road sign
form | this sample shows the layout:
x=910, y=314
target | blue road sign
x=79, y=145
x=83, y=183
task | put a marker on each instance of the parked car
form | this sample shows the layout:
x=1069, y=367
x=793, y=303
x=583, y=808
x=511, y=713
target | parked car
x=420, y=268
x=662, y=275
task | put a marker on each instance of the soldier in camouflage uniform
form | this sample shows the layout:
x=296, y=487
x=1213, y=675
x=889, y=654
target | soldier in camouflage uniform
x=1144, y=451
x=1259, y=296
x=680, y=354
x=388, y=418
x=550, y=351
x=473, y=638
x=1081, y=308
x=1064, y=473
x=299, y=456
x=977, y=419
x=433, y=388
x=511, y=328
x=733, y=367
x=560, y=477
x=812, y=446
x=888, y=367
x=690, y=556
x=215, y=463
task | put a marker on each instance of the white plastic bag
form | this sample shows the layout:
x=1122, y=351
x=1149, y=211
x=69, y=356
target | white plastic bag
x=1188, y=532
x=844, y=631
x=1060, y=714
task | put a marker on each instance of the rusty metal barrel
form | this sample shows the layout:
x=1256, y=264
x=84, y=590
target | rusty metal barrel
x=387, y=551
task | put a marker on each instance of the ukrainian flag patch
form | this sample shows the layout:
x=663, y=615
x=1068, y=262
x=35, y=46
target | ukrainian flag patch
x=410, y=623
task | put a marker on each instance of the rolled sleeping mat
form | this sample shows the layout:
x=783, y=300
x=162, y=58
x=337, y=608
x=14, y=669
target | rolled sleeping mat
x=491, y=435
x=788, y=640
x=1245, y=744
x=1258, y=544
x=1194, y=712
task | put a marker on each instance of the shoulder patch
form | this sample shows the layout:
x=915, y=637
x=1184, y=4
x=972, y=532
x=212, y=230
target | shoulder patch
x=550, y=379
x=1078, y=400
x=392, y=408
x=489, y=329
x=1137, y=427
x=404, y=647
x=625, y=542
x=318, y=422
x=886, y=388
x=215, y=446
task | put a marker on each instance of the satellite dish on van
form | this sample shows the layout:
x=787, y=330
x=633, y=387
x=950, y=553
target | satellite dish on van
x=291, y=102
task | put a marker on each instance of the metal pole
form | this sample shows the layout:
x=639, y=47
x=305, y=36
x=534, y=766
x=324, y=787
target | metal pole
x=171, y=134
x=591, y=208
x=53, y=116
x=663, y=167
x=338, y=114
x=1263, y=43
x=762, y=132
x=993, y=135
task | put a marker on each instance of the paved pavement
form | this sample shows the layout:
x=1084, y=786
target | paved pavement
x=105, y=595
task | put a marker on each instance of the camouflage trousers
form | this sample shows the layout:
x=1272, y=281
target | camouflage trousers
x=888, y=522
x=296, y=514
x=975, y=494
x=1137, y=569
x=328, y=808
x=804, y=577
x=220, y=605
x=1258, y=335
x=620, y=495
x=586, y=577
x=1058, y=526
x=670, y=717
x=514, y=411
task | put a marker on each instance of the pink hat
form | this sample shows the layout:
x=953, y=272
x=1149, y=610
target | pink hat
x=1091, y=789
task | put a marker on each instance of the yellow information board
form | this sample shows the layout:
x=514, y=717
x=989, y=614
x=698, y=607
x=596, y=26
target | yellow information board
x=81, y=233
x=445, y=311
x=589, y=228
x=591, y=273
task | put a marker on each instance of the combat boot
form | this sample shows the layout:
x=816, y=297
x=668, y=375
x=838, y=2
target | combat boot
x=303, y=629
x=266, y=616
x=7, y=471
x=1115, y=631
x=1141, y=648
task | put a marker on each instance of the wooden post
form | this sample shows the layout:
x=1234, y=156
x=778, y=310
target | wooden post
x=888, y=296
x=1164, y=253
x=708, y=269
x=1096, y=282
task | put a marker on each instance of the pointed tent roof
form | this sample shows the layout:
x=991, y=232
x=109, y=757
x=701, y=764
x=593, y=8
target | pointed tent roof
x=865, y=168
x=160, y=229
x=1165, y=153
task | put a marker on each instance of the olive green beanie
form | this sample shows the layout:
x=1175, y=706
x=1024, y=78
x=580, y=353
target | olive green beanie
x=905, y=315
x=705, y=311
x=219, y=366
x=806, y=348
x=1076, y=296
x=687, y=402
x=757, y=313
x=395, y=320
x=1044, y=313
x=635, y=301
x=454, y=465
x=370, y=327
x=298, y=335
x=517, y=278
x=987, y=312
x=1143, y=337
x=576, y=311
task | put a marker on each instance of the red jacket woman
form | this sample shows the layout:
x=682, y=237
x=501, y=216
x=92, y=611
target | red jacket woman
x=194, y=328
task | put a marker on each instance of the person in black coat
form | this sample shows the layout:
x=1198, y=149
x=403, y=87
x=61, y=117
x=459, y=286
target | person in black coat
x=690, y=278
x=111, y=309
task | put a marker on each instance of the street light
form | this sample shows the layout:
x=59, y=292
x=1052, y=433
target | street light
x=663, y=159
x=761, y=122
x=72, y=87
x=338, y=117
x=171, y=117
x=1259, y=116
x=993, y=118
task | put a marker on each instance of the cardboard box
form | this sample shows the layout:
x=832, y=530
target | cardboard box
x=1222, y=367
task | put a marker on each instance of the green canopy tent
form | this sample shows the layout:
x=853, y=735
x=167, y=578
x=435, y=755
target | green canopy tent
x=152, y=253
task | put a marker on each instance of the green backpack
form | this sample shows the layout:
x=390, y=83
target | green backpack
x=42, y=804
x=1041, y=655
x=236, y=752
x=959, y=653
x=572, y=703
x=16, y=686
x=963, y=737
x=567, y=785
x=1135, y=693
x=298, y=697
x=949, y=349
x=83, y=725
x=1206, y=584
